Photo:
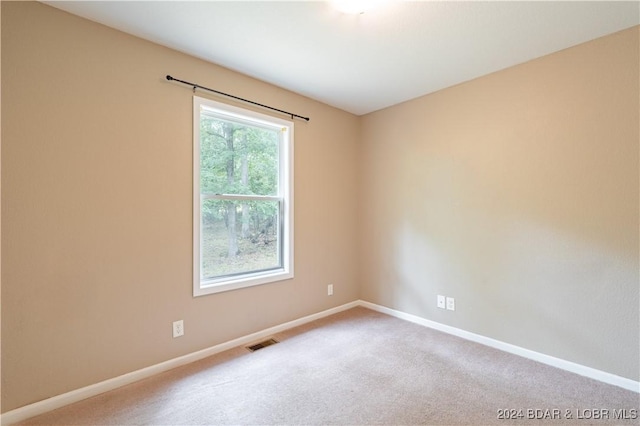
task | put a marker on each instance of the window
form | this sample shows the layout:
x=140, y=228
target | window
x=242, y=198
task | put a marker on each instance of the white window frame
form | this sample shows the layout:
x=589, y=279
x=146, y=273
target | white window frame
x=285, y=194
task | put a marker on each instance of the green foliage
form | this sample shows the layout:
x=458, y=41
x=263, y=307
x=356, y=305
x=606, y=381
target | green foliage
x=252, y=153
x=239, y=159
x=254, y=254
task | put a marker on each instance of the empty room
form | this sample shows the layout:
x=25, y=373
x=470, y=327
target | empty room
x=348, y=213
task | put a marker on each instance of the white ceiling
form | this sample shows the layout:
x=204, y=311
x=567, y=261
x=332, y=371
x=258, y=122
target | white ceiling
x=362, y=63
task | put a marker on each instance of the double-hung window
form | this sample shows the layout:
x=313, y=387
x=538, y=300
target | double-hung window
x=242, y=198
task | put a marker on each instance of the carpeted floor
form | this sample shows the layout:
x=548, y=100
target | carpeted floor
x=354, y=368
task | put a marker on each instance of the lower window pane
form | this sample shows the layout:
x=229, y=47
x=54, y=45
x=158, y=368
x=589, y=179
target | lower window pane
x=239, y=237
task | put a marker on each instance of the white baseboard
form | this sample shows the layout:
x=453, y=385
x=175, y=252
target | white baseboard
x=582, y=370
x=59, y=401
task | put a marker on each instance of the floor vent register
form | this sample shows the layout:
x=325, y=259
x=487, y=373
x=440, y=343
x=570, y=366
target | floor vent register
x=261, y=345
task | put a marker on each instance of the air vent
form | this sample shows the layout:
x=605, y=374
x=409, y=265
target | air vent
x=261, y=345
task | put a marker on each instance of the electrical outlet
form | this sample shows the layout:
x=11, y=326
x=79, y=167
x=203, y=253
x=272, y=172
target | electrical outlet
x=178, y=328
x=330, y=290
x=451, y=304
x=441, y=302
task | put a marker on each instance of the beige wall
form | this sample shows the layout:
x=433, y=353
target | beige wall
x=96, y=207
x=517, y=194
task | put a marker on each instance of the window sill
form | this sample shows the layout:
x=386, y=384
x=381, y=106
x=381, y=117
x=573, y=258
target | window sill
x=227, y=284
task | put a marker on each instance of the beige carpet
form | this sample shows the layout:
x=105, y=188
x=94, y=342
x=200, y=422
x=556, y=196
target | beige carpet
x=356, y=367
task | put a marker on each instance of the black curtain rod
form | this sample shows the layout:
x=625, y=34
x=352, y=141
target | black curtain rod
x=197, y=86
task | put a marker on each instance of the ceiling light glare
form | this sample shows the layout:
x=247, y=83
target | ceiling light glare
x=355, y=7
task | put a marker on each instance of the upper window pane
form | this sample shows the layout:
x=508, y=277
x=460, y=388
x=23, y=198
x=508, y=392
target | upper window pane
x=236, y=157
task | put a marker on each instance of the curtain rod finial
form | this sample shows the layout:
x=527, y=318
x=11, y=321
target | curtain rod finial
x=169, y=77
